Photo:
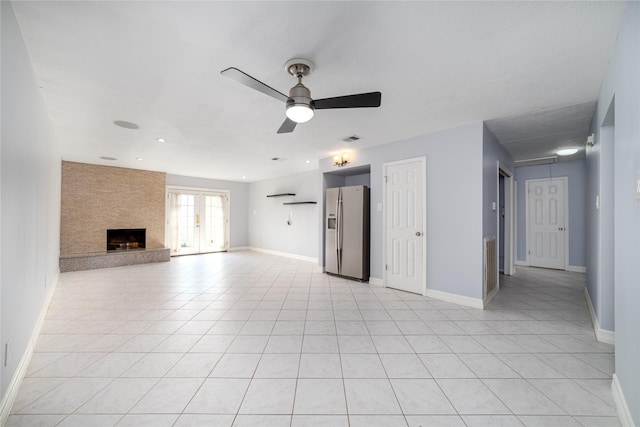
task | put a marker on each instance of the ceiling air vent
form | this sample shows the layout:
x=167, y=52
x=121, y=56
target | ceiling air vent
x=352, y=138
x=278, y=159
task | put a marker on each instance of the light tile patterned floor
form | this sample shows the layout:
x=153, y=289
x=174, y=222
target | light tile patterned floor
x=248, y=339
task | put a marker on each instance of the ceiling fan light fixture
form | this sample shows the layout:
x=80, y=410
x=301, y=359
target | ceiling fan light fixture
x=299, y=113
x=300, y=104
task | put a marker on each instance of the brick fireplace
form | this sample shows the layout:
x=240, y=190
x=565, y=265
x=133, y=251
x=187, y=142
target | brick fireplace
x=99, y=198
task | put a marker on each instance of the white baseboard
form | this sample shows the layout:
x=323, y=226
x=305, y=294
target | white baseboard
x=284, y=254
x=489, y=297
x=239, y=248
x=454, y=298
x=14, y=386
x=606, y=336
x=573, y=268
x=603, y=335
x=375, y=281
x=621, y=404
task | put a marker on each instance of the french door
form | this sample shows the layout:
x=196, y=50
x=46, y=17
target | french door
x=197, y=221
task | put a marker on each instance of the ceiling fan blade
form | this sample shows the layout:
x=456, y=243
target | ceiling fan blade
x=361, y=100
x=288, y=126
x=247, y=80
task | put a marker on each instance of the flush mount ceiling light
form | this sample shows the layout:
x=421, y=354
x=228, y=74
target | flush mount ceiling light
x=126, y=125
x=567, y=152
x=341, y=160
x=161, y=140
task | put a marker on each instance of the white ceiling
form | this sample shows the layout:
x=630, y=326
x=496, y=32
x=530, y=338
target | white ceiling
x=532, y=69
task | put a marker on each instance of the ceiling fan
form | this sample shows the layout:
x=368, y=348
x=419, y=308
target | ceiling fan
x=300, y=106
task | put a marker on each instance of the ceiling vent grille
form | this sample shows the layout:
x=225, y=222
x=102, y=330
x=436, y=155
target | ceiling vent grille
x=352, y=138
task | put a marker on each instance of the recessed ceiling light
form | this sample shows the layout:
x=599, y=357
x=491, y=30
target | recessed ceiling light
x=108, y=158
x=244, y=177
x=161, y=140
x=307, y=161
x=567, y=151
x=125, y=124
x=139, y=158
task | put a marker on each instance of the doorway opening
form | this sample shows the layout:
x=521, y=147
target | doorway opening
x=197, y=221
x=605, y=213
x=505, y=220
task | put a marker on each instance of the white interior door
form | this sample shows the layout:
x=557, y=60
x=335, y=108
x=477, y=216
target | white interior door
x=547, y=231
x=405, y=224
x=197, y=221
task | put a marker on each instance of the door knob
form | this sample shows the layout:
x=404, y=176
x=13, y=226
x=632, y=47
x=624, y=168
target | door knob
x=418, y=233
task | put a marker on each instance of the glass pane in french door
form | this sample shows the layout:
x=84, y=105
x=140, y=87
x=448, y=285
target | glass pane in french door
x=184, y=236
x=213, y=223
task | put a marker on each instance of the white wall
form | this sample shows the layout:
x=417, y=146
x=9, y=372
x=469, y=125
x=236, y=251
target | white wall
x=454, y=204
x=268, y=228
x=30, y=206
x=239, y=203
x=622, y=82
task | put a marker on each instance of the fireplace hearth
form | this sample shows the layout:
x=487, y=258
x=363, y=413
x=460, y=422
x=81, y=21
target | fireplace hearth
x=126, y=239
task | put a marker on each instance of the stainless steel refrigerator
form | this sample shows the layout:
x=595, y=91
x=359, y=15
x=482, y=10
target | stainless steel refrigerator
x=347, y=232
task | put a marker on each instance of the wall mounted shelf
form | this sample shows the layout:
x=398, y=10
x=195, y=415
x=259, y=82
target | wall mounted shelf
x=300, y=203
x=281, y=195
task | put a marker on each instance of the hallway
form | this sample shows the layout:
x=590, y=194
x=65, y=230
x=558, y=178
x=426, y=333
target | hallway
x=248, y=339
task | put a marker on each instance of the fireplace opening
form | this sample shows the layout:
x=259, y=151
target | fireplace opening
x=126, y=239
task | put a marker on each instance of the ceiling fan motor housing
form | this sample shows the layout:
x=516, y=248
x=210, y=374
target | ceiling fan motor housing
x=300, y=95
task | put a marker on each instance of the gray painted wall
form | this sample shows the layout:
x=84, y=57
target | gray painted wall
x=592, y=252
x=454, y=202
x=622, y=81
x=30, y=218
x=601, y=226
x=362, y=179
x=606, y=230
x=575, y=171
x=268, y=228
x=239, y=204
x=501, y=209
